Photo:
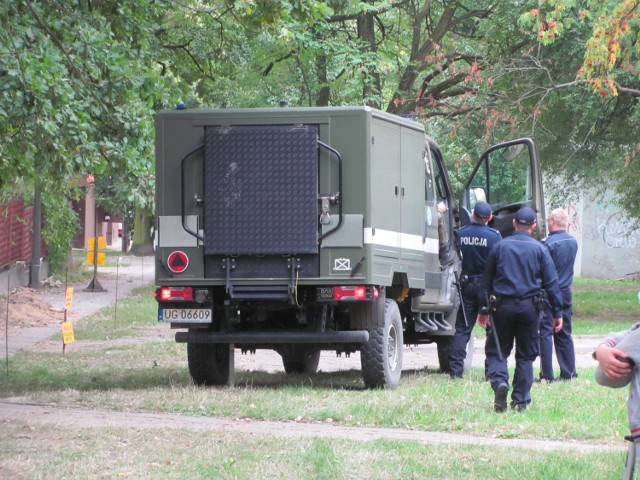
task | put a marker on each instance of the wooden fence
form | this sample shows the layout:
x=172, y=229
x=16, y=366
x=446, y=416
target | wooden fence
x=15, y=233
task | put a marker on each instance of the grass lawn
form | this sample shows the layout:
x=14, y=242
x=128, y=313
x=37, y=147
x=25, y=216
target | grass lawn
x=152, y=376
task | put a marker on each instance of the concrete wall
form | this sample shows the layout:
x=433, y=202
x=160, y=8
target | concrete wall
x=609, y=246
x=18, y=276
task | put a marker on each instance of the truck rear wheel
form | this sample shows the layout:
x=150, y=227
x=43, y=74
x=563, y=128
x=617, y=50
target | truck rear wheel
x=208, y=363
x=381, y=356
x=307, y=364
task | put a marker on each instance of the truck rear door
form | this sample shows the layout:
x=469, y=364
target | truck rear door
x=508, y=177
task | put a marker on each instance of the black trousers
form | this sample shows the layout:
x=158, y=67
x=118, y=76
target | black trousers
x=516, y=323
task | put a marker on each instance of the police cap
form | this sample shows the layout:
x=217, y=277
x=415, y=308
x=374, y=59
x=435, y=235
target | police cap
x=526, y=216
x=482, y=210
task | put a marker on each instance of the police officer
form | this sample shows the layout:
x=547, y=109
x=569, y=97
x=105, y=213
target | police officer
x=475, y=241
x=517, y=269
x=563, y=249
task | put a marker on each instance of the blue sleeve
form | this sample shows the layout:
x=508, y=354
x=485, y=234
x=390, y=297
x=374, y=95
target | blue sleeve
x=490, y=270
x=550, y=284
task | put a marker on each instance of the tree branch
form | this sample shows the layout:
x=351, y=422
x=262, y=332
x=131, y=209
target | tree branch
x=195, y=61
x=267, y=70
x=627, y=91
x=353, y=16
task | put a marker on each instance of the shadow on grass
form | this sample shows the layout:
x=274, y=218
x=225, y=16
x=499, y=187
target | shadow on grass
x=350, y=380
x=25, y=379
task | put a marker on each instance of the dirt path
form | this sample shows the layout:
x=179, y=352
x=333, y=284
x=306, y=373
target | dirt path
x=11, y=410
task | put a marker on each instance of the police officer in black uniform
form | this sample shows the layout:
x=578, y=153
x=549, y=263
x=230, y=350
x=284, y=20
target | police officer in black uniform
x=517, y=269
x=563, y=249
x=475, y=241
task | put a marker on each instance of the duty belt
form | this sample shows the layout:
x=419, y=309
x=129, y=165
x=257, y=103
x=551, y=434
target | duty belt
x=475, y=279
x=505, y=300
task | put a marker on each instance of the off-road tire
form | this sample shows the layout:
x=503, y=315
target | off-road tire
x=309, y=364
x=381, y=356
x=208, y=363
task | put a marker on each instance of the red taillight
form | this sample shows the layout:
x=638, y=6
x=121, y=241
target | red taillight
x=174, y=294
x=353, y=293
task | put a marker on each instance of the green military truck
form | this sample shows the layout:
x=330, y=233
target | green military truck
x=307, y=229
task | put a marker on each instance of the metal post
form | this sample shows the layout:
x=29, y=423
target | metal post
x=94, y=284
x=6, y=324
x=34, y=269
x=232, y=366
x=115, y=310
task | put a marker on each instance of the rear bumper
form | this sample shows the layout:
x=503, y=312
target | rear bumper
x=260, y=338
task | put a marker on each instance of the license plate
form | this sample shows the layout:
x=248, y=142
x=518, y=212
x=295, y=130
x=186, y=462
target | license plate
x=185, y=315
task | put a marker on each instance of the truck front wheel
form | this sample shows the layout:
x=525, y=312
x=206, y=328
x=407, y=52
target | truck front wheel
x=381, y=356
x=208, y=363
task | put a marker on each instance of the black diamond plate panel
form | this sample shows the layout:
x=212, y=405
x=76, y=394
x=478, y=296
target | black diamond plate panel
x=260, y=189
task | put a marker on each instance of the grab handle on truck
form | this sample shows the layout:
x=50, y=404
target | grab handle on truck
x=182, y=203
x=339, y=157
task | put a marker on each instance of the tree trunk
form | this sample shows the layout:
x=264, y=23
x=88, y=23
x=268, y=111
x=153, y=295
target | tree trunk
x=366, y=31
x=142, y=242
x=322, y=100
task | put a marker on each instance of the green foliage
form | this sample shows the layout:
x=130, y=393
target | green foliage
x=78, y=91
x=59, y=229
x=80, y=81
x=587, y=115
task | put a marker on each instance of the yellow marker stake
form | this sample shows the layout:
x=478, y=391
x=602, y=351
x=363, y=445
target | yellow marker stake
x=98, y=253
x=68, y=298
x=67, y=327
x=67, y=333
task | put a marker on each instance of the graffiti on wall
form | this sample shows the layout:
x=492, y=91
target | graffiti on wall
x=618, y=232
x=611, y=229
x=575, y=226
x=608, y=241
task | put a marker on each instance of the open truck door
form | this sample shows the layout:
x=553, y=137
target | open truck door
x=507, y=177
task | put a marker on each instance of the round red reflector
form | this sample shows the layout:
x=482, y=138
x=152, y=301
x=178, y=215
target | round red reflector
x=178, y=262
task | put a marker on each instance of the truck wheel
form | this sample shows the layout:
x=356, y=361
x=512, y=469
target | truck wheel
x=381, y=356
x=208, y=364
x=444, y=349
x=308, y=364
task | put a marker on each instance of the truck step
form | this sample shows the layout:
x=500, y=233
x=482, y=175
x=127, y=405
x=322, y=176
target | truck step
x=259, y=292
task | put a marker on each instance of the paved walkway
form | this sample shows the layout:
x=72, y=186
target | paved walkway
x=118, y=281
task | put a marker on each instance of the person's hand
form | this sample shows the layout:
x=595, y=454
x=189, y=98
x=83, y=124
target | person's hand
x=615, y=363
x=557, y=324
x=482, y=320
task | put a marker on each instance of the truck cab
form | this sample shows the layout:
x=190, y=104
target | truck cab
x=307, y=229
